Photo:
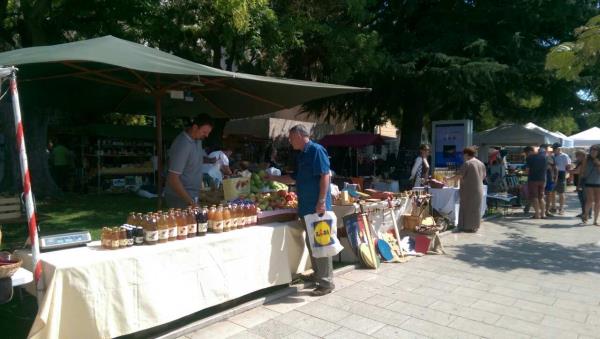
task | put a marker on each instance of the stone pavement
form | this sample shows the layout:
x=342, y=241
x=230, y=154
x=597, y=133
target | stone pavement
x=515, y=278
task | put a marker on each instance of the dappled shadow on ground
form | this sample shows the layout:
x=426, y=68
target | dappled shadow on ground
x=555, y=226
x=521, y=251
x=518, y=249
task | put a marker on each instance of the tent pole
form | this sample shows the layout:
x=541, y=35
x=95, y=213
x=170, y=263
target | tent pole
x=356, y=158
x=27, y=192
x=159, y=147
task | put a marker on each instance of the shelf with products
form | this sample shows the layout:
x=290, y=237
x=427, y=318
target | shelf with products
x=113, y=160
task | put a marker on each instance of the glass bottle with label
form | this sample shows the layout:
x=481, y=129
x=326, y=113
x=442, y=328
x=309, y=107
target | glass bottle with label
x=130, y=235
x=248, y=215
x=226, y=219
x=138, y=238
x=245, y=216
x=202, y=221
x=218, y=220
x=241, y=216
x=151, y=229
x=211, y=218
x=182, y=227
x=122, y=237
x=114, y=239
x=131, y=218
x=234, y=216
x=105, y=238
x=190, y=219
x=254, y=214
x=172, y=222
x=163, y=228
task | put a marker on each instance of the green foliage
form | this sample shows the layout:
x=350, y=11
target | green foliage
x=451, y=59
x=486, y=118
x=425, y=60
x=588, y=120
x=565, y=124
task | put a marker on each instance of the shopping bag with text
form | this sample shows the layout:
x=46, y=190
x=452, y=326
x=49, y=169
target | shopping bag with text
x=322, y=231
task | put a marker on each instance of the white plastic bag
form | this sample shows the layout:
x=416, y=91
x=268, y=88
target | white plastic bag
x=322, y=234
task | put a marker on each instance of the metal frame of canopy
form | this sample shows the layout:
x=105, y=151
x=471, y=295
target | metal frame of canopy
x=163, y=72
x=157, y=91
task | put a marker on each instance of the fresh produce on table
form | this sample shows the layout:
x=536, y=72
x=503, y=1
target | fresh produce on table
x=281, y=199
x=258, y=183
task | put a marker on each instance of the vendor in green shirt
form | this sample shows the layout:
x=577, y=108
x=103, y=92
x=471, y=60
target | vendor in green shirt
x=60, y=160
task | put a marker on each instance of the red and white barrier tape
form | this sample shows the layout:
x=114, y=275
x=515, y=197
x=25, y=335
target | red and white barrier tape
x=31, y=220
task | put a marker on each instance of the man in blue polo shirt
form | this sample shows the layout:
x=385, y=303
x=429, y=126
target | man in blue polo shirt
x=312, y=179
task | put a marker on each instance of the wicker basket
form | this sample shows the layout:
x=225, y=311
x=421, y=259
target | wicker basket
x=410, y=222
x=7, y=270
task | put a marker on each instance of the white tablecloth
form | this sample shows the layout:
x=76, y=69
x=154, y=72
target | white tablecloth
x=447, y=201
x=21, y=277
x=97, y=293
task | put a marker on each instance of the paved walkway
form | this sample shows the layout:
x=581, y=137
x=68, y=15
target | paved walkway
x=516, y=278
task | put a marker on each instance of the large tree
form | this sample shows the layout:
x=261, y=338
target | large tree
x=425, y=59
x=578, y=61
x=442, y=59
x=43, y=22
x=228, y=34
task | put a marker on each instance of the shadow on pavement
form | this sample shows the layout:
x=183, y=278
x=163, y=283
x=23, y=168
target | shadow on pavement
x=554, y=226
x=520, y=251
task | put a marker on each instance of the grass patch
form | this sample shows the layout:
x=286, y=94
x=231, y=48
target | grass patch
x=79, y=212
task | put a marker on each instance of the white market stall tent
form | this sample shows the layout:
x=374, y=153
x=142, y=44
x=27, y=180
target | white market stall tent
x=565, y=141
x=514, y=135
x=511, y=134
x=586, y=138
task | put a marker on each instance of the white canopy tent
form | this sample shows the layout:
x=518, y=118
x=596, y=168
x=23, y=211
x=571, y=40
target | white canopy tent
x=565, y=141
x=586, y=138
x=514, y=135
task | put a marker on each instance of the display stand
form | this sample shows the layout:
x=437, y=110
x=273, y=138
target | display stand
x=123, y=163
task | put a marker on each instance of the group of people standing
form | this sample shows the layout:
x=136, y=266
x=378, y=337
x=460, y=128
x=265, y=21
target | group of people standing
x=546, y=177
x=312, y=177
x=547, y=180
x=471, y=176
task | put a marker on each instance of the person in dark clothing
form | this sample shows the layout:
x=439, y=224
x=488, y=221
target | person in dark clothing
x=576, y=172
x=590, y=176
x=537, y=164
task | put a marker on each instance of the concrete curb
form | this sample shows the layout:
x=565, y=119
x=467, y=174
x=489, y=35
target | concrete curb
x=197, y=325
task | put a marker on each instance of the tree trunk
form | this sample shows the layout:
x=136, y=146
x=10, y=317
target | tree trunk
x=410, y=140
x=412, y=125
x=35, y=125
x=11, y=182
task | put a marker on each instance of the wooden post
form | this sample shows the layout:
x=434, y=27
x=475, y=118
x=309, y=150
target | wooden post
x=159, y=147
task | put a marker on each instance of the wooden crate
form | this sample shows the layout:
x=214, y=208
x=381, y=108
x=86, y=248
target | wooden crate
x=10, y=209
